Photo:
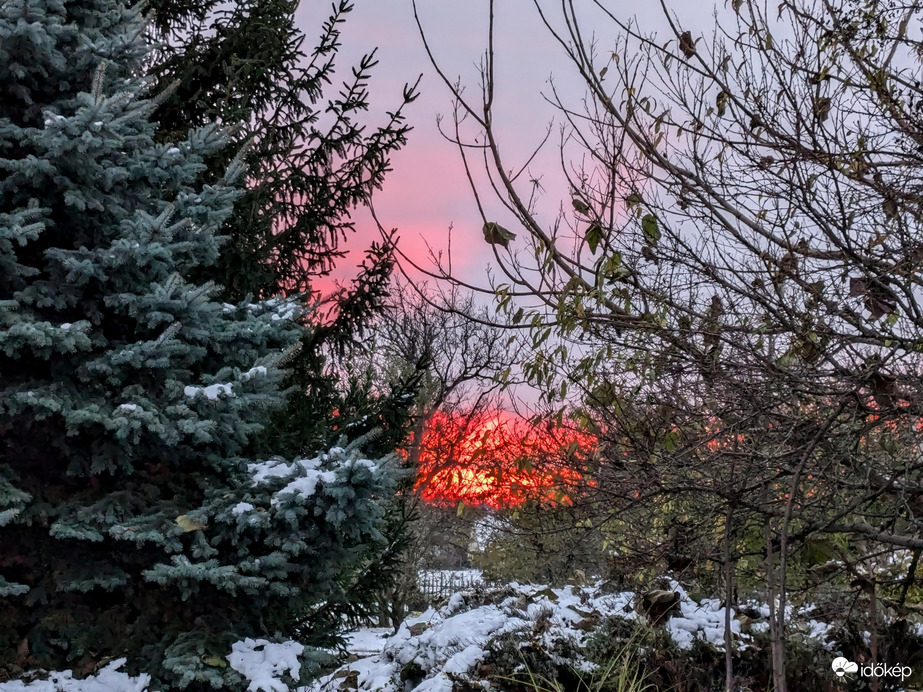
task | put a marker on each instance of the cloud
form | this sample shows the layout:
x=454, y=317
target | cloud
x=841, y=666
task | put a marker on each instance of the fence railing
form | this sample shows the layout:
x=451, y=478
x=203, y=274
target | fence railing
x=439, y=584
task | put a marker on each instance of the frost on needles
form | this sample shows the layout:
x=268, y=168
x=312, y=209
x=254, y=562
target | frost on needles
x=130, y=523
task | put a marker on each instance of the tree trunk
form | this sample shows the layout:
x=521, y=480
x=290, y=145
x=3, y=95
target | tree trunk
x=776, y=619
x=728, y=599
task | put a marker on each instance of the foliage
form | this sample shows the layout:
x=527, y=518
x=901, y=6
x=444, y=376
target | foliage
x=130, y=522
x=621, y=673
x=731, y=295
x=540, y=544
x=309, y=167
x=312, y=160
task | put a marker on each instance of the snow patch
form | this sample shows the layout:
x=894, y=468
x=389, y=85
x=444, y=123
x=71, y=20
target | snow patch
x=704, y=621
x=262, y=662
x=368, y=640
x=305, y=474
x=7, y=515
x=109, y=679
x=253, y=372
x=211, y=392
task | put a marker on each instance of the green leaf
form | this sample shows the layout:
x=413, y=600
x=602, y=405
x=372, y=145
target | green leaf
x=670, y=440
x=633, y=200
x=651, y=229
x=594, y=234
x=495, y=234
x=581, y=206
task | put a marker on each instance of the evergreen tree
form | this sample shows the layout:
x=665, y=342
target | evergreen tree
x=311, y=162
x=129, y=522
x=312, y=159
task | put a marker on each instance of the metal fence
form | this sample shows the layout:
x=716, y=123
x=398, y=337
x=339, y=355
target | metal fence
x=439, y=584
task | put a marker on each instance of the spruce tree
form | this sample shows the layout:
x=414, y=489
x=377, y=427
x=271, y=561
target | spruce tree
x=130, y=524
x=313, y=159
x=315, y=155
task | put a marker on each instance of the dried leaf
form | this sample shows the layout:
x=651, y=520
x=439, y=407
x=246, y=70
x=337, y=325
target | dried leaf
x=686, y=44
x=188, y=524
x=879, y=299
x=822, y=108
x=495, y=234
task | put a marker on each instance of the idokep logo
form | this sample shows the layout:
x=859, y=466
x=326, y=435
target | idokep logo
x=841, y=666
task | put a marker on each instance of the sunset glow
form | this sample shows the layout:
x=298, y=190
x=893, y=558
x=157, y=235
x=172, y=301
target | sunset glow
x=496, y=460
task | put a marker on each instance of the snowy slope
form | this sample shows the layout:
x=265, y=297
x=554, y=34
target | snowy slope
x=452, y=641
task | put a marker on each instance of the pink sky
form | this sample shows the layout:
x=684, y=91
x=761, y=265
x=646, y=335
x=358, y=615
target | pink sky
x=427, y=190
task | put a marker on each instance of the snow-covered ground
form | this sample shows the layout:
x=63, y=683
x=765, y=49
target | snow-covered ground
x=453, y=640
x=109, y=679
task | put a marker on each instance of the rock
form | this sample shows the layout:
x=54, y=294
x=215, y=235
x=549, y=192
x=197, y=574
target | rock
x=658, y=605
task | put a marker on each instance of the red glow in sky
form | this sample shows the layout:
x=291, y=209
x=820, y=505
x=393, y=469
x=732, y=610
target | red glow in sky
x=496, y=460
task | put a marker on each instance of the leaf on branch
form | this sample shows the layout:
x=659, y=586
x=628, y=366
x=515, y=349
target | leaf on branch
x=822, y=108
x=878, y=298
x=594, y=235
x=187, y=524
x=889, y=206
x=686, y=44
x=633, y=200
x=581, y=206
x=883, y=389
x=495, y=234
x=651, y=229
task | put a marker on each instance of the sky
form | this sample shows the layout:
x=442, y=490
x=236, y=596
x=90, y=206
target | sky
x=427, y=192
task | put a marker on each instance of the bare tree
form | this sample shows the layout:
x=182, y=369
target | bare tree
x=436, y=333
x=732, y=286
